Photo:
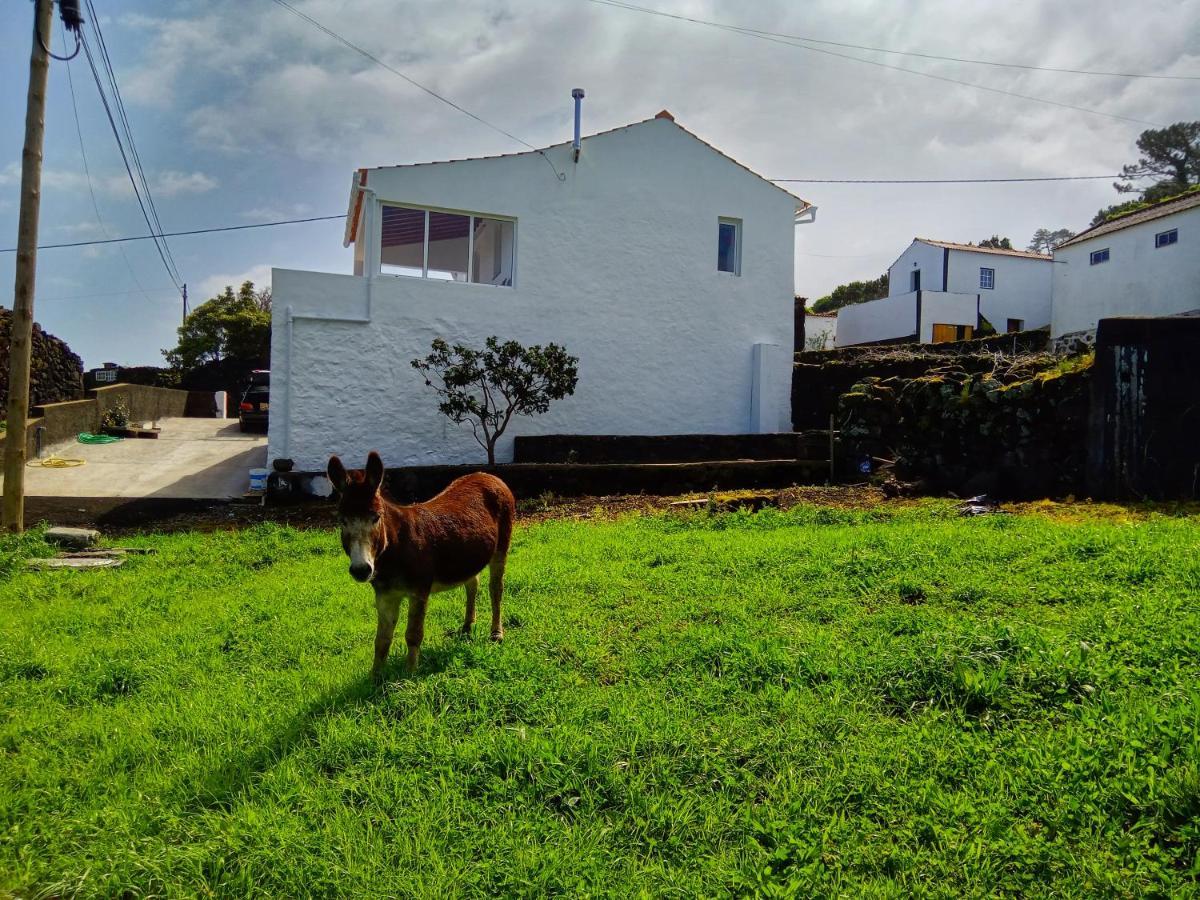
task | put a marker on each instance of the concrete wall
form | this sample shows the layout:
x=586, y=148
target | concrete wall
x=1022, y=289
x=1138, y=279
x=879, y=320
x=822, y=328
x=938, y=308
x=617, y=263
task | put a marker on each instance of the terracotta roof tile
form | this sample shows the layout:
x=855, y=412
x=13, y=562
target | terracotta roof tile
x=1168, y=207
x=973, y=248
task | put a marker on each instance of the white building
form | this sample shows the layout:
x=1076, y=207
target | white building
x=663, y=264
x=1144, y=263
x=939, y=291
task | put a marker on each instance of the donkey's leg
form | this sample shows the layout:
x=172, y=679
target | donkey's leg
x=472, y=587
x=388, y=608
x=496, y=589
x=415, y=633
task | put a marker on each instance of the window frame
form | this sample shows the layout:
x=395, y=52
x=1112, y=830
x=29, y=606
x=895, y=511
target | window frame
x=1173, y=233
x=471, y=217
x=991, y=279
x=737, y=245
x=1093, y=259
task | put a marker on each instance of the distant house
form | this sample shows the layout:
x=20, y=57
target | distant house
x=820, y=330
x=1142, y=263
x=663, y=264
x=940, y=291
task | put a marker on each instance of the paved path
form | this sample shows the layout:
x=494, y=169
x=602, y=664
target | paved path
x=191, y=458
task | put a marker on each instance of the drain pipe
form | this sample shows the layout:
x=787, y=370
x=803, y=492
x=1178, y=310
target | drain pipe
x=577, y=94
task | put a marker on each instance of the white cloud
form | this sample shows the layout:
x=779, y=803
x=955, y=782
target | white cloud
x=214, y=284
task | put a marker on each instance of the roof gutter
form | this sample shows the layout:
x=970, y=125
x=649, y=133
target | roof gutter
x=806, y=214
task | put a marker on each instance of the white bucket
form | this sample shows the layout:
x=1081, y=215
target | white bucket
x=258, y=479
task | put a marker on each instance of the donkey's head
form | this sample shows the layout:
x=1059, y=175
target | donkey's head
x=360, y=509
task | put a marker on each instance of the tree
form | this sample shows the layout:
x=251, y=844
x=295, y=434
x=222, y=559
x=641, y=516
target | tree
x=230, y=330
x=1170, y=156
x=486, y=388
x=1044, y=240
x=854, y=292
x=996, y=242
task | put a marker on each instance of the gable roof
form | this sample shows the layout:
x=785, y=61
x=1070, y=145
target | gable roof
x=361, y=175
x=1189, y=199
x=973, y=248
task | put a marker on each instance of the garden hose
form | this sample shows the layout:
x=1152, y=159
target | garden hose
x=87, y=438
x=55, y=462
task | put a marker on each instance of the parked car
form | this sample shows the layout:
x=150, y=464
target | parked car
x=254, y=407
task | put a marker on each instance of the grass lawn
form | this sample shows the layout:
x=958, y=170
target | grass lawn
x=876, y=702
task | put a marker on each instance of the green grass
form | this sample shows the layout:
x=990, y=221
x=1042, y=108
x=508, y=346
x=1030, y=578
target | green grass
x=816, y=702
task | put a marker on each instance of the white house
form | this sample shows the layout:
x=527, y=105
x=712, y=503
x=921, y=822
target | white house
x=940, y=291
x=1143, y=263
x=662, y=263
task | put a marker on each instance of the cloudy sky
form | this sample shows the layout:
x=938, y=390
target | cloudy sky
x=244, y=113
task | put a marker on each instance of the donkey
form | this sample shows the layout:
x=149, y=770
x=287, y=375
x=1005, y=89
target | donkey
x=414, y=551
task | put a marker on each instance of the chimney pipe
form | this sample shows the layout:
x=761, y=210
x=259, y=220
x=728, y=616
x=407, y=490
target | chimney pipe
x=577, y=93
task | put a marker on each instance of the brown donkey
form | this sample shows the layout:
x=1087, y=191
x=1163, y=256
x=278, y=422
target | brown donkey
x=414, y=551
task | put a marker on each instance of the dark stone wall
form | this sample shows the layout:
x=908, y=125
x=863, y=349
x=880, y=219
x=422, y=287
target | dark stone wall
x=820, y=377
x=56, y=374
x=1019, y=430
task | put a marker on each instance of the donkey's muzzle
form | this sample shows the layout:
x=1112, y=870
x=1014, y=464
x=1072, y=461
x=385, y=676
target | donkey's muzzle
x=361, y=572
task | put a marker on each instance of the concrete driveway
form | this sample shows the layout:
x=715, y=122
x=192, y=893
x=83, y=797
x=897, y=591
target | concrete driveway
x=191, y=458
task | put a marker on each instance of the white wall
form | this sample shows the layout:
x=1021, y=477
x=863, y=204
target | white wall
x=878, y=320
x=939, y=308
x=617, y=263
x=921, y=256
x=823, y=328
x=1023, y=286
x=1138, y=280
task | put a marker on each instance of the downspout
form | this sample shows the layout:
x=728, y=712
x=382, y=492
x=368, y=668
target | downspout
x=576, y=144
x=287, y=381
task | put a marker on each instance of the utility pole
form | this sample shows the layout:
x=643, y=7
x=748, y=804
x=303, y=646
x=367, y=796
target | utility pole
x=185, y=309
x=21, y=338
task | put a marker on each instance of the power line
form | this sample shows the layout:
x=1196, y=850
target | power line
x=935, y=56
x=88, y=175
x=942, y=180
x=871, y=62
x=118, y=103
x=156, y=237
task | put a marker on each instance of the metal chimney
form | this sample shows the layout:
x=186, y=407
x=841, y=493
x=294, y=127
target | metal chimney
x=577, y=93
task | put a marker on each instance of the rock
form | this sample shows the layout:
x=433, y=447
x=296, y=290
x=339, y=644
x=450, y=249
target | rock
x=72, y=538
x=87, y=562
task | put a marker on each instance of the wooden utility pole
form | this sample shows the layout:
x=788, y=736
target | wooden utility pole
x=21, y=338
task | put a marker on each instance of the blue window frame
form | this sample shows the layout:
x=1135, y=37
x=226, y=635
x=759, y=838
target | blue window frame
x=1099, y=256
x=729, y=246
x=1166, y=238
x=987, y=278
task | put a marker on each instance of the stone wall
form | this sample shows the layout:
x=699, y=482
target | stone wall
x=820, y=377
x=56, y=374
x=1016, y=431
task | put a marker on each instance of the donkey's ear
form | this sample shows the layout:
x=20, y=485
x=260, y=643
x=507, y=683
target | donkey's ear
x=337, y=474
x=374, y=470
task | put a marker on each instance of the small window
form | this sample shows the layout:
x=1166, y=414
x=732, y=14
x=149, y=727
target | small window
x=1016, y=325
x=1099, y=256
x=1166, y=238
x=914, y=280
x=729, y=246
x=105, y=375
x=987, y=279
x=446, y=246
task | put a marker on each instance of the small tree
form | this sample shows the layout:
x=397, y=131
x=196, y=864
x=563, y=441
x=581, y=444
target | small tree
x=1044, y=240
x=995, y=242
x=486, y=388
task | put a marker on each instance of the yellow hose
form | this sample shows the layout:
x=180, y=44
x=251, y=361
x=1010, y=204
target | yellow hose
x=56, y=462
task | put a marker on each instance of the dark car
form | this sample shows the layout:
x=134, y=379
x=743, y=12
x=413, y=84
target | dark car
x=253, y=409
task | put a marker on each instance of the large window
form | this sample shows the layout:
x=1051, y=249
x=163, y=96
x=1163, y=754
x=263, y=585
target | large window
x=987, y=279
x=729, y=246
x=446, y=246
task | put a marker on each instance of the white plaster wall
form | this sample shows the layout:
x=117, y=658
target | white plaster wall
x=940, y=308
x=877, y=320
x=921, y=256
x=617, y=263
x=1023, y=286
x=1138, y=280
x=823, y=327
